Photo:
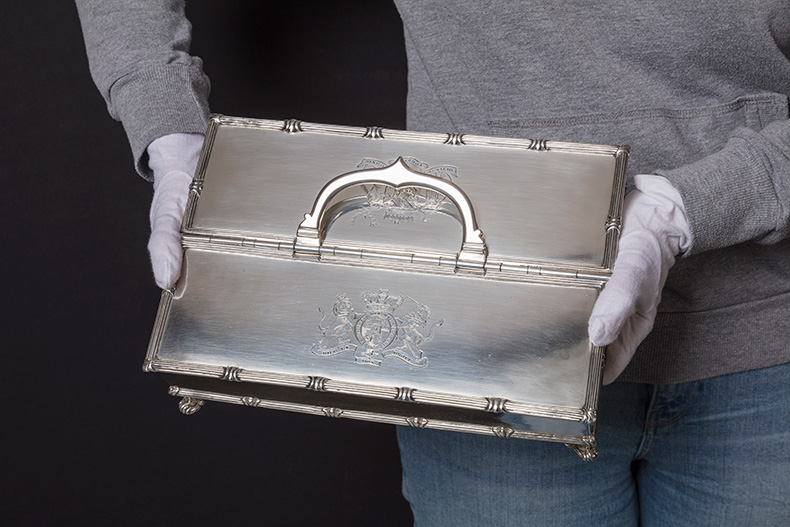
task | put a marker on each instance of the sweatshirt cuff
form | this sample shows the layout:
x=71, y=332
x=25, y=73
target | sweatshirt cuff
x=730, y=197
x=175, y=100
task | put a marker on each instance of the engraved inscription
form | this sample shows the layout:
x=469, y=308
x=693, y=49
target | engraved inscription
x=385, y=203
x=391, y=326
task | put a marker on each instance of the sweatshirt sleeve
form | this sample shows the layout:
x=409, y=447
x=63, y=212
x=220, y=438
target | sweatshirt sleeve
x=138, y=53
x=742, y=192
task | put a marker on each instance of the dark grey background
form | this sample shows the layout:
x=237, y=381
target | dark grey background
x=88, y=437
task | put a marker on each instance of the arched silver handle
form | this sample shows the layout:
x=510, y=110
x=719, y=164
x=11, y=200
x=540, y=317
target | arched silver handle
x=309, y=235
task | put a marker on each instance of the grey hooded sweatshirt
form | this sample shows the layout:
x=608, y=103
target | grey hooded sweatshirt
x=698, y=89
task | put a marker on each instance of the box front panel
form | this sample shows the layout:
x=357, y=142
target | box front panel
x=441, y=333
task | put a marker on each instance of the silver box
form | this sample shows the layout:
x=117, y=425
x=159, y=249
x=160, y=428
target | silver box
x=344, y=272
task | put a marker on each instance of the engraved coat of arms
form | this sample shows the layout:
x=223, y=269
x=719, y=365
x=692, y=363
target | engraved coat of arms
x=403, y=205
x=391, y=326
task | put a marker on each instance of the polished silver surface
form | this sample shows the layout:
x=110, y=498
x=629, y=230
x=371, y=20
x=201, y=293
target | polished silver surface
x=546, y=205
x=343, y=272
x=496, y=339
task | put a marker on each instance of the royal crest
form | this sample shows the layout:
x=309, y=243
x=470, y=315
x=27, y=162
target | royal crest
x=391, y=326
x=403, y=205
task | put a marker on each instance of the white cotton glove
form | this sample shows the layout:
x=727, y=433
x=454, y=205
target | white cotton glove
x=172, y=159
x=655, y=231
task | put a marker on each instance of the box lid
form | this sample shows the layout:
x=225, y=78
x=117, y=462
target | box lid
x=545, y=205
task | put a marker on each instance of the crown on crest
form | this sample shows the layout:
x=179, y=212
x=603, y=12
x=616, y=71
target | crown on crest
x=381, y=302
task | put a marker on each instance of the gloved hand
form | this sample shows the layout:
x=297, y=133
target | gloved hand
x=172, y=159
x=655, y=231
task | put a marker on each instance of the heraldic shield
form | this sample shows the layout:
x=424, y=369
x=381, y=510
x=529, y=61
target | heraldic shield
x=343, y=271
x=378, y=333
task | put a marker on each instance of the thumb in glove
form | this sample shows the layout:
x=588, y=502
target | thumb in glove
x=172, y=159
x=655, y=231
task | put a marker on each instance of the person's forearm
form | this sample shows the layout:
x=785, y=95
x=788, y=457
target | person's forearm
x=138, y=53
x=741, y=193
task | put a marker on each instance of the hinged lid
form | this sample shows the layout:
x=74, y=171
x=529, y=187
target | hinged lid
x=464, y=203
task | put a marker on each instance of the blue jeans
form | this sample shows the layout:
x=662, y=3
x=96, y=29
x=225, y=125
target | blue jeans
x=713, y=452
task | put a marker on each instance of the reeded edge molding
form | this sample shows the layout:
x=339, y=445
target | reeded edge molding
x=503, y=431
x=196, y=187
x=428, y=137
x=496, y=405
x=538, y=145
x=231, y=373
x=318, y=383
x=373, y=132
x=332, y=412
x=292, y=126
x=614, y=221
x=405, y=394
x=594, y=380
x=590, y=416
x=417, y=422
x=577, y=443
x=455, y=139
x=250, y=401
x=162, y=312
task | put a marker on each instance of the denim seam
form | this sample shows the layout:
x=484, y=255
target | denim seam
x=689, y=401
x=648, y=432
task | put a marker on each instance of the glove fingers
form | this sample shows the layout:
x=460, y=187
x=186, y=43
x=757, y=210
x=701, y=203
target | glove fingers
x=167, y=210
x=655, y=230
x=620, y=352
x=609, y=315
x=165, y=251
x=634, y=287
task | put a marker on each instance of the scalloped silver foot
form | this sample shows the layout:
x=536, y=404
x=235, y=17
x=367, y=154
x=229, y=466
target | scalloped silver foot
x=588, y=451
x=190, y=405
